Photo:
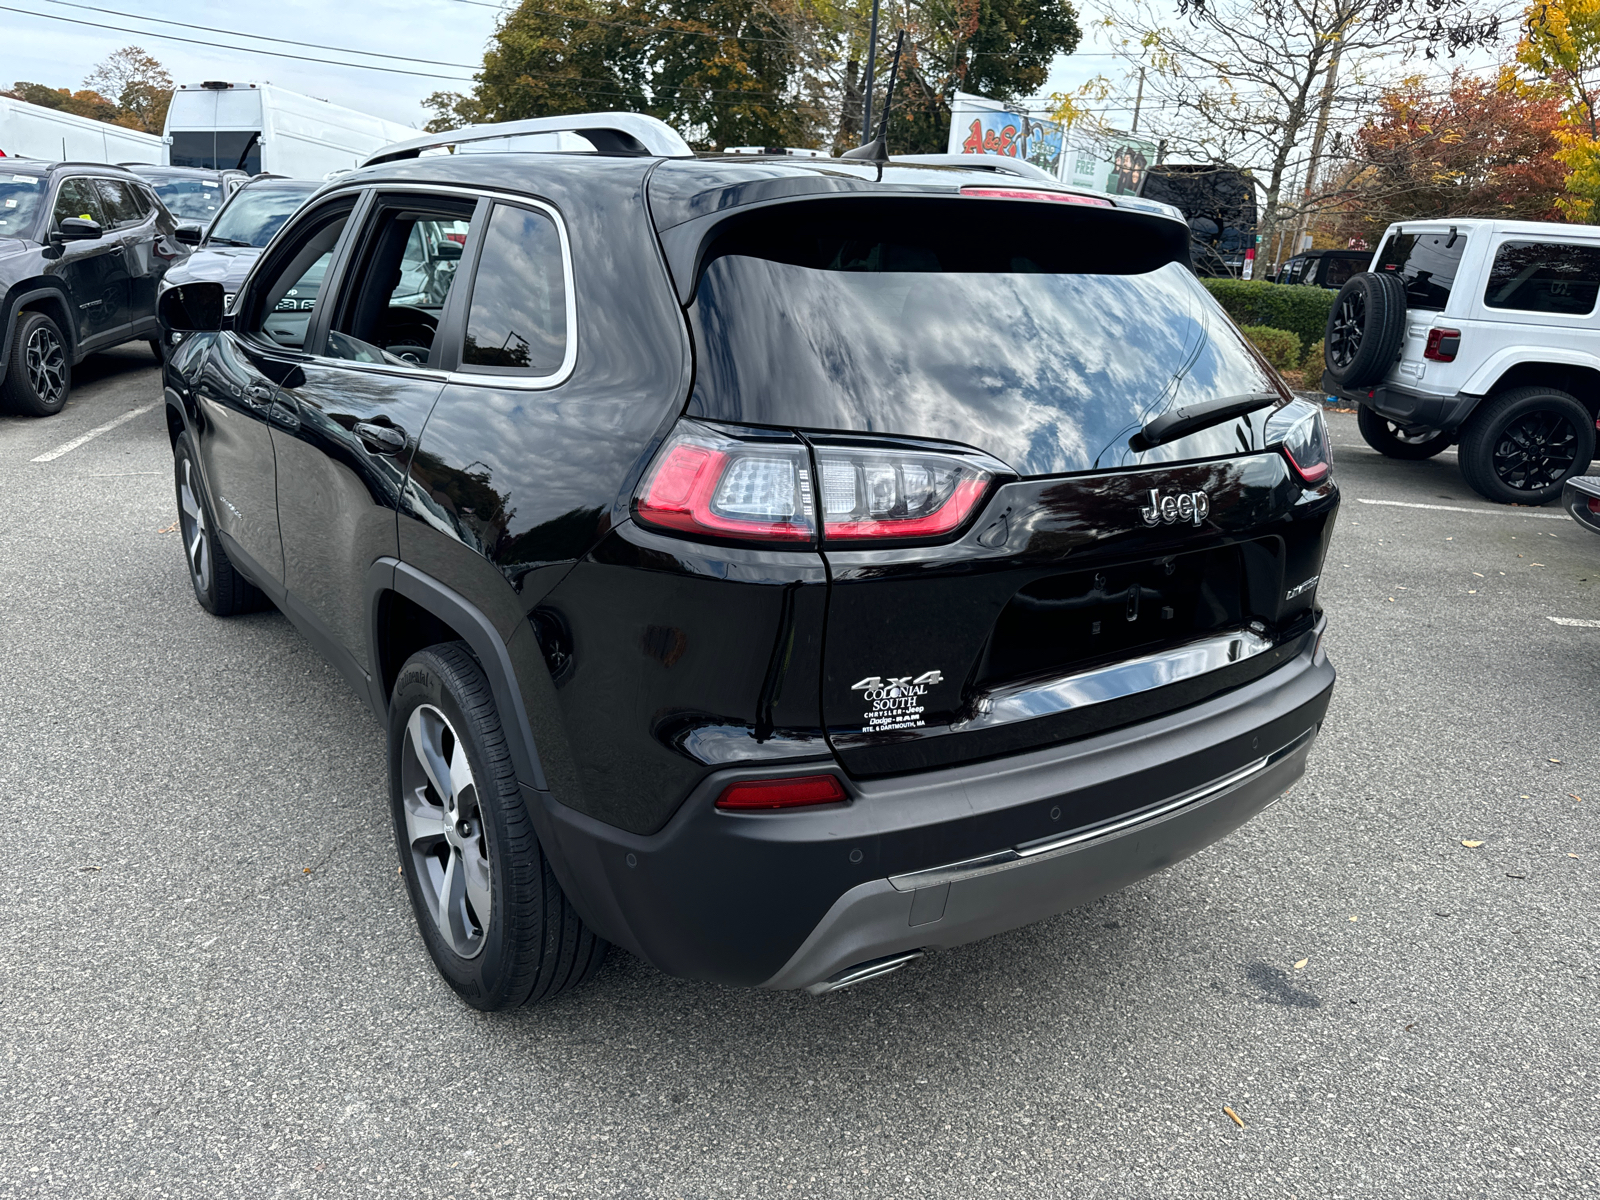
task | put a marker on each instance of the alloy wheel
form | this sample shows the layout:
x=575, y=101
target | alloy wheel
x=46, y=361
x=444, y=831
x=1344, y=339
x=196, y=534
x=1536, y=451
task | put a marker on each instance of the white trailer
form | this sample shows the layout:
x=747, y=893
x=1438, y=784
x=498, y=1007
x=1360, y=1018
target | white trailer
x=33, y=131
x=257, y=127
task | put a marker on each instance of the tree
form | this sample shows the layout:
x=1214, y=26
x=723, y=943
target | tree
x=1474, y=148
x=137, y=84
x=1260, y=83
x=84, y=103
x=1561, y=42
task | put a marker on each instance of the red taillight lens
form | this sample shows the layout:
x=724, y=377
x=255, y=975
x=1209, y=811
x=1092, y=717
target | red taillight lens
x=870, y=493
x=759, y=794
x=1443, y=345
x=1594, y=506
x=998, y=193
x=704, y=482
x=1300, y=432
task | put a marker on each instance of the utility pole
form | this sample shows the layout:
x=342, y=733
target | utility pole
x=1138, y=102
x=872, y=58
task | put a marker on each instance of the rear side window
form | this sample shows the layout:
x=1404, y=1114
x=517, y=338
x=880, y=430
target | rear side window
x=517, y=323
x=1338, y=271
x=1427, y=262
x=1545, y=277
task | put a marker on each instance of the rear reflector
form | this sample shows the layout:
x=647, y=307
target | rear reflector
x=757, y=794
x=996, y=193
x=1443, y=345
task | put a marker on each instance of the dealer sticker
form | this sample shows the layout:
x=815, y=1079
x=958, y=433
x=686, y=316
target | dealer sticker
x=894, y=702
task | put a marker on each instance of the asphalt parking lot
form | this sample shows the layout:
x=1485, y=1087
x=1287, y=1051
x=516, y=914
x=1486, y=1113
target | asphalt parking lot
x=212, y=985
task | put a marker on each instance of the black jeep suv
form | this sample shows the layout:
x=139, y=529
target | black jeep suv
x=83, y=247
x=775, y=567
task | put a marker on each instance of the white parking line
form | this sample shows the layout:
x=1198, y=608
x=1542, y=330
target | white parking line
x=1577, y=621
x=1486, y=512
x=68, y=447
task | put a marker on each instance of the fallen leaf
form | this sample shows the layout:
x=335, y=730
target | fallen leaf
x=1555, y=760
x=1471, y=845
x=1233, y=1116
x=1524, y=797
x=1355, y=918
x=1411, y=1026
x=98, y=868
x=1479, y=574
x=173, y=528
x=305, y=870
x=1300, y=966
x=1536, y=564
x=1576, y=797
x=1569, y=856
x=1472, y=591
x=1391, y=599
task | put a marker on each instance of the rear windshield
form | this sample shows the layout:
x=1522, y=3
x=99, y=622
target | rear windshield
x=1427, y=262
x=256, y=213
x=1028, y=339
x=1545, y=277
x=19, y=201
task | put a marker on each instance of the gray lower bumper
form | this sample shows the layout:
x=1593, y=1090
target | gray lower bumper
x=966, y=901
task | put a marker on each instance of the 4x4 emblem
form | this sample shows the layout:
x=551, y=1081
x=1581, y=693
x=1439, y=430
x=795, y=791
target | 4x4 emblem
x=1167, y=510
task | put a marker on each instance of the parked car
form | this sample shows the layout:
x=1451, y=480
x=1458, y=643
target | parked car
x=241, y=228
x=83, y=247
x=1323, y=268
x=193, y=196
x=1479, y=332
x=747, y=572
x=1219, y=202
x=1580, y=496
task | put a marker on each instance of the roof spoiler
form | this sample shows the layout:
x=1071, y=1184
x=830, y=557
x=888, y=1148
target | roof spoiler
x=618, y=134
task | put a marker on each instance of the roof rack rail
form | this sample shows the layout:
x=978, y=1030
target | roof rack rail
x=618, y=134
x=998, y=163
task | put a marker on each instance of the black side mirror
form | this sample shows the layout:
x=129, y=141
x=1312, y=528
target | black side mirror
x=189, y=235
x=75, y=229
x=448, y=251
x=192, y=308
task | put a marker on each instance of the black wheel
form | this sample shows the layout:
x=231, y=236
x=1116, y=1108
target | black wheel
x=1387, y=438
x=39, y=370
x=218, y=586
x=1519, y=448
x=1365, y=328
x=495, y=920
x=155, y=348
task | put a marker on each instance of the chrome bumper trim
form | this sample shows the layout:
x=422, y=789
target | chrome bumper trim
x=1024, y=702
x=1002, y=860
x=862, y=972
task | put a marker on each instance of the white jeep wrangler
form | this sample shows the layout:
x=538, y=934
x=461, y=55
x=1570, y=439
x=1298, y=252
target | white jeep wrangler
x=1479, y=332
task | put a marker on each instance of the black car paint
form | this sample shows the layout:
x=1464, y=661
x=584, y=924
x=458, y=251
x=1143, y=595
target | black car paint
x=645, y=668
x=101, y=291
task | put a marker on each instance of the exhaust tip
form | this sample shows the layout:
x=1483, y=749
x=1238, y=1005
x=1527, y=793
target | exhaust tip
x=861, y=972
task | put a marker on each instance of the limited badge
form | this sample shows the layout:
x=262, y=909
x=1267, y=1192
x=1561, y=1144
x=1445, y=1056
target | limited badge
x=894, y=702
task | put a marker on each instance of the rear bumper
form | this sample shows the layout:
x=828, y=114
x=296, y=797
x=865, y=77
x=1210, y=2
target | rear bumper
x=790, y=900
x=1408, y=408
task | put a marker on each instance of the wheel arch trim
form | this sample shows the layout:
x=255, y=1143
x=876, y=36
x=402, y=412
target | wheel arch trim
x=14, y=304
x=455, y=610
x=1488, y=376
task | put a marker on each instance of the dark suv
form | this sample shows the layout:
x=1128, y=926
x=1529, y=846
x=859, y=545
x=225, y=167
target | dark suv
x=83, y=247
x=775, y=567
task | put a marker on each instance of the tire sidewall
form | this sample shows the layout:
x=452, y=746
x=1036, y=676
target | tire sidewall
x=19, y=387
x=484, y=980
x=1493, y=419
x=1382, y=329
x=1376, y=433
x=183, y=451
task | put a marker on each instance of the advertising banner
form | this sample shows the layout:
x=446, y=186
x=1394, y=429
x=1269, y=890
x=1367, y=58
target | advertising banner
x=982, y=126
x=1110, y=161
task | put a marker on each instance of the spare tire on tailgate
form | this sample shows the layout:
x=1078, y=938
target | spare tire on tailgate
x=1365, y=329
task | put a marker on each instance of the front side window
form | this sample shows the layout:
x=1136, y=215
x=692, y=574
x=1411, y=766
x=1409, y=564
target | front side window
x=1545, y=277
x=1427, y=262
x=391, y=307
x=77, y=198
x=280, y=307
x=118, y=200
x=517, y=324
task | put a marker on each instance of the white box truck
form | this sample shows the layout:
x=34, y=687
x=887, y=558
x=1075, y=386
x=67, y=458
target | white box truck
x=258, y=127
x=33, y=131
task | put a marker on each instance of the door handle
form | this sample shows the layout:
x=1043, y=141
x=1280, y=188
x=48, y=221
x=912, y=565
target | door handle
x=257, y=396
x=117, y=249
x=381, y=439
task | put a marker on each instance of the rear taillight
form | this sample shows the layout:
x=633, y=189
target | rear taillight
x=756, y=488
x=1594, y=506
x=1443, y=345
x=1298, y=429
x=758, y=794
x=998, y=193
x=888, y=492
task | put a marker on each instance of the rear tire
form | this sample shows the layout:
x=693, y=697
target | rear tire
x=1388, y=439
x=1365, y=328
x=1520, y=447
x=490, y=910
x=39, y=369
x=218, y=586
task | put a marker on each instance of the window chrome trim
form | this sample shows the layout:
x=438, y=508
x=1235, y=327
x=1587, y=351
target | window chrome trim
x=374, y=190
x=1024, y=702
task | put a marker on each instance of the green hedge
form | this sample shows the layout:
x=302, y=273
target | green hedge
x=1301, y=310
x=1278, y=346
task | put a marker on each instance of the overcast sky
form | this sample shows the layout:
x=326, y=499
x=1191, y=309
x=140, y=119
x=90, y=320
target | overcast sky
x=433, y=37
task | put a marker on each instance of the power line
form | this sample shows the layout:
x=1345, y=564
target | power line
x=263, y=37
x=169, y=37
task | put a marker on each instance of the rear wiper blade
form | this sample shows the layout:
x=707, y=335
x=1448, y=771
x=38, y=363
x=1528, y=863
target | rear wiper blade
x=1177, y=422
